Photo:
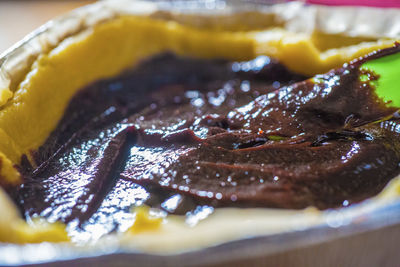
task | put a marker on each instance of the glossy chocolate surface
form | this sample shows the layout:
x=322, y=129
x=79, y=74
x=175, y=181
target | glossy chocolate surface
x=189, y=135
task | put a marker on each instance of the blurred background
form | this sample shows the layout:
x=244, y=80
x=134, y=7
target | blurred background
x=20, y=17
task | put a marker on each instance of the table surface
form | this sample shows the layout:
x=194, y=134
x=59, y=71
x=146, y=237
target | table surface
x=20, y=17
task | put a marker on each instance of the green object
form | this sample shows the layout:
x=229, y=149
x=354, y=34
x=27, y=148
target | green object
x=387, y=86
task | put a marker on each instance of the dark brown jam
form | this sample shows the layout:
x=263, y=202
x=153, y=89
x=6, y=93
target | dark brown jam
x=188, y=135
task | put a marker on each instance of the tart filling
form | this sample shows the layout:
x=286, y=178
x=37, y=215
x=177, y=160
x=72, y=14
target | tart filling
x=207, y=134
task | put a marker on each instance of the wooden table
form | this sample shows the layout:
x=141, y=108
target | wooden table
x=20, y=17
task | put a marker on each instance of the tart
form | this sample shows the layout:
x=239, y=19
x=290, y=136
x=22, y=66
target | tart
x=146, y=125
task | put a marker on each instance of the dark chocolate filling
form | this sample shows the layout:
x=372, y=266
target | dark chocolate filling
x=188, y=135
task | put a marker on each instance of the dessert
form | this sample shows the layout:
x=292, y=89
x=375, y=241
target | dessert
x=194, y=129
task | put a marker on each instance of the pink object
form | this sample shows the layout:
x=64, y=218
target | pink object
x=372, y=3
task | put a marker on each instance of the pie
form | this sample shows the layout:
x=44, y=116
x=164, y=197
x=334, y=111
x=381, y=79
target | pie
x=166, y=130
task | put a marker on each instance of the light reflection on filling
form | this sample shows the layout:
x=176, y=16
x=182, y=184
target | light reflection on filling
x=209, y=134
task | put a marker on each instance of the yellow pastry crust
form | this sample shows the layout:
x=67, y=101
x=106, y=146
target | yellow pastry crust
x=14, y=229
